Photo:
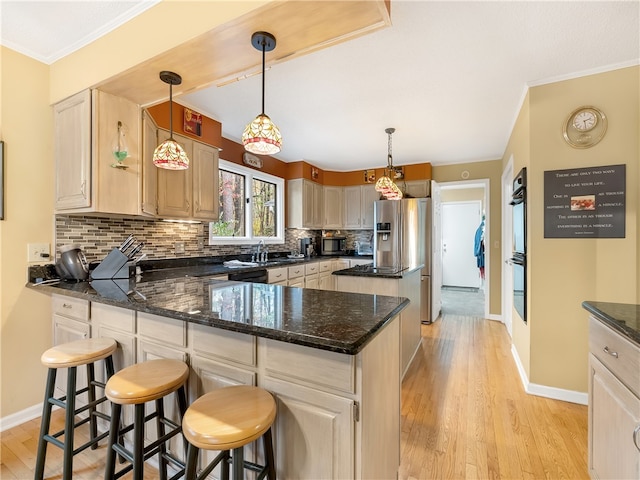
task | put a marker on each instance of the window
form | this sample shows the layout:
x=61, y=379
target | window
x=251, y=207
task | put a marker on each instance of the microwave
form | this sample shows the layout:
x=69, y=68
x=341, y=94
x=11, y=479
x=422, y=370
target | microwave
x=333, y=245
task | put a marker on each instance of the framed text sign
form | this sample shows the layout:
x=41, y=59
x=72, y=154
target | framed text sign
x=585, y=202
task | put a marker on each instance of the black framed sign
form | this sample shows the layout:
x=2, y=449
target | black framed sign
x=585, y=202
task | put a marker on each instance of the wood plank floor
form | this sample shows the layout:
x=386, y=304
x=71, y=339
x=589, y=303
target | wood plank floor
x=464, y=415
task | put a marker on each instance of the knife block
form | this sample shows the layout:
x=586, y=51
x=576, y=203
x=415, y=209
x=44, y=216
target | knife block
x=115, y=265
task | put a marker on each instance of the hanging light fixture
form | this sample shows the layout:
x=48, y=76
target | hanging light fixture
x=385, y=185
x=261, y=136
x=170, y=154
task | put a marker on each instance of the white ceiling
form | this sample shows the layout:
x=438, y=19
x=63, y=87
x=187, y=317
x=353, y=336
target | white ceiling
x=449, y=76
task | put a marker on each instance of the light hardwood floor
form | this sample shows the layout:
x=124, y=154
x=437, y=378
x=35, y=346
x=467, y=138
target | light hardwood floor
x=464, y=415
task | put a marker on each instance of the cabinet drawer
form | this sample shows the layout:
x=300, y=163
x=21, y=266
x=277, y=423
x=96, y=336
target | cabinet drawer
x=168, y=330
x=70, y=307
x=223, y=344
x=114, y=317
x=324, y=266
x=311, y=268
x=621, y=357
x=309, y=366
x=277, y=274
x=295, y=272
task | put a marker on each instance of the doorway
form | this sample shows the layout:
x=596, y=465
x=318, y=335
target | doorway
x=465, y=286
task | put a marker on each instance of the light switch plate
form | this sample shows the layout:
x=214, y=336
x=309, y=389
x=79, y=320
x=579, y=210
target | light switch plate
x=38, y=252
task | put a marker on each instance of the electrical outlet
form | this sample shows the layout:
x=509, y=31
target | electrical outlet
x=179, y=248
x=38, y=252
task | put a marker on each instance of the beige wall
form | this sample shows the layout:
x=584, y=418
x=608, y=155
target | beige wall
x=26, y=129
x=565, y=272
x=491, y=170
x=462, y=195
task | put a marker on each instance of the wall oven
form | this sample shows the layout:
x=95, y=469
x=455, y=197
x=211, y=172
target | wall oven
x=519, y=256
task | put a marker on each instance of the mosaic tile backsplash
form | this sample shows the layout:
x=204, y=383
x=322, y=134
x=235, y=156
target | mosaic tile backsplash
x=98, y=236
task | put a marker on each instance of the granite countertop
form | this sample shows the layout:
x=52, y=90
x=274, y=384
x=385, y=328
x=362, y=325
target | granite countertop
x=335, y=321
x=380, y=272
x=622, y=317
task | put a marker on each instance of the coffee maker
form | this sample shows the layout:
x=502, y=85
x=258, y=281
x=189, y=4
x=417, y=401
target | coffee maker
x=306, y=247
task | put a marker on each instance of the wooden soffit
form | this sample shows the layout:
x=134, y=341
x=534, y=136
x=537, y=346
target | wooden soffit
x=225, y=53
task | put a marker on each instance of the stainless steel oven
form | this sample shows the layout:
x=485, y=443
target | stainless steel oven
x=519, y=256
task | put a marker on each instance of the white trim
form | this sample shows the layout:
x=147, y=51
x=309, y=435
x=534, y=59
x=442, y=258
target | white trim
x=506, y=303
x=20, y=417
x=554, y=393
x=584, y=73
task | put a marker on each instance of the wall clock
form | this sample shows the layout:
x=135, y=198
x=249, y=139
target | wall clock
x=584, y=127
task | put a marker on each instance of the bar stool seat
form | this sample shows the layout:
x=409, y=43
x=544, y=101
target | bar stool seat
x=70, y=356
x=228, y=419
x=136, y=385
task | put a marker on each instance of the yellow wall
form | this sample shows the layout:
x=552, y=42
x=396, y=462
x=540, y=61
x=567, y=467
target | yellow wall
x=477, y=171
x=462, y=195
x=565, y=272
x=27, y=130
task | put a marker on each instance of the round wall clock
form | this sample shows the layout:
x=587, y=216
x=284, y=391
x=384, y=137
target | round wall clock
x=584, y=127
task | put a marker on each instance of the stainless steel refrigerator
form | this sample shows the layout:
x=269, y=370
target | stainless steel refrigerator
x=402, y=240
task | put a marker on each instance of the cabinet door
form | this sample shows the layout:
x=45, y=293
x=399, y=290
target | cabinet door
x=418, y=188
x=116, y=185
x=369, y=196
x=325, y=281
x=174, y=186
x=205, y=181
x=614, y=415
x=333, y=207
x=352, y=207
x=317, y=426
x=311, y=281
x=149, y=170
x=72, y=151
x=318, y=205
x=68, y=330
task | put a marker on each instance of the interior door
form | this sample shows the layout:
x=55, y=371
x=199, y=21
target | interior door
x=460, y=220
x=507, y=248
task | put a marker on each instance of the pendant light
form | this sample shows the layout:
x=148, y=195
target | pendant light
x=170, y=154
x=385, y=185
x=261, y=136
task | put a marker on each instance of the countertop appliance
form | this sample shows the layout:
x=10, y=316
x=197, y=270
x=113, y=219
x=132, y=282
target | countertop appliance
x=72, y=264
x=402, y=240
x=333, y=245
x=306, y=247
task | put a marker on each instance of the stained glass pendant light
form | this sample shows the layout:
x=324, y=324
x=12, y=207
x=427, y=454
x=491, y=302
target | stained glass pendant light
x=169, y=154
x=385, y=185
x=261, y=136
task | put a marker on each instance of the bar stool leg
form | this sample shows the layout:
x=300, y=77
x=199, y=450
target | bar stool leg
x=138, y=442
x=224, y=466
x=162, y=460
x=69, y=423
x=268, y=454
x=192, y=462
x=91, y=393
x=238, y=463
x=114, y=436
x=46, y=421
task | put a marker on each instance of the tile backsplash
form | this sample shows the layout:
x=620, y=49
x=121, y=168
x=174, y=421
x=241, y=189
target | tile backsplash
x=99, y=235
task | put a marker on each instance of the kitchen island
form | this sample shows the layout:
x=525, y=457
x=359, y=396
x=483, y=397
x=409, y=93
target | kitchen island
x=331, y=359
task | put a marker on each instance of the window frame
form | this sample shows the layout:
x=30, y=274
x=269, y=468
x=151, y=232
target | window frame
x=249, y=175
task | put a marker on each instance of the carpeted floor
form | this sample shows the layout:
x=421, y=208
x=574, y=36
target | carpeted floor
x=463, y=301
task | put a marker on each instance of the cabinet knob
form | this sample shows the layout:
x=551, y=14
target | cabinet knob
x=613, y=354
x=66, y=305
x=636, y=433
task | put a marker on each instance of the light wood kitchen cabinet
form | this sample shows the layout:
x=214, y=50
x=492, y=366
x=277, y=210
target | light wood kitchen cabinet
x=333, y=206
x=416, y=188
x=190, y=193
x=358, y=206
x=304, y=204
x=149, y=170
x=85, y=128
x=614, y=404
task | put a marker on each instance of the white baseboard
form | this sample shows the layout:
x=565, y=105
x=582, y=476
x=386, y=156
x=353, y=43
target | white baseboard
x=20, y=417
x=493, y=316
x=554, y=393
x=413, y=357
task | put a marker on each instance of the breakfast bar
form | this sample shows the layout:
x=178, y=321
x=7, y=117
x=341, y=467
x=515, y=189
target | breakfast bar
x=331, y=359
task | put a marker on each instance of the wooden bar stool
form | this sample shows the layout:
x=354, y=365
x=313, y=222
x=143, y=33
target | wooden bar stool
x=136, y=385
x=228, y=419
x=70, y=356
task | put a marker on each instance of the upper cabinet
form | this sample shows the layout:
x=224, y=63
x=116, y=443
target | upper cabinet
x=190, y=193
x=333, y=206
x=358, y=206
x=149, y=170
x=416, y=188
x=304, y=204
x=86, y=128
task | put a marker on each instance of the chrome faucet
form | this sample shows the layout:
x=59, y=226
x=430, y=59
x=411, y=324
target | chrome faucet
x=260, y=254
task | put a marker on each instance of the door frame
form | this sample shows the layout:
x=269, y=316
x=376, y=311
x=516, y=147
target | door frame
x=485, y=184
x=507, y=247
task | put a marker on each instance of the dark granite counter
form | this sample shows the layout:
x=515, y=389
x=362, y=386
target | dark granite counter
x=624, y=318
x=380, y=272
x=328, y=320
